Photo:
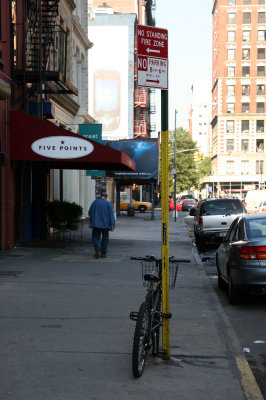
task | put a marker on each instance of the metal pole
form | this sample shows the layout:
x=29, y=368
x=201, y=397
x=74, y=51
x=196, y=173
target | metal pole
x=175, y=169
x=165, y=222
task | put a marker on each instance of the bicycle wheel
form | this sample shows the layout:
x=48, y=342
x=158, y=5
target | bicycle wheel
x=155, y=337
x=140, y=342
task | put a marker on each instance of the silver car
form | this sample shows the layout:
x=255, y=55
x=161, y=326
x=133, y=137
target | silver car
x=241, y=258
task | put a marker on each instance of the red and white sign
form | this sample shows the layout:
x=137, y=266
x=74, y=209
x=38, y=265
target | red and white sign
x=152, y=57
x=152, y=41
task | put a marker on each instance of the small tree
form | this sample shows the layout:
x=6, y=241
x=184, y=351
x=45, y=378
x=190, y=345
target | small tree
x=187, y=173
x=63, y=214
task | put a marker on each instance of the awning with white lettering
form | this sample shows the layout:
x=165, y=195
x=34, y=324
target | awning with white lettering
x=33, y=139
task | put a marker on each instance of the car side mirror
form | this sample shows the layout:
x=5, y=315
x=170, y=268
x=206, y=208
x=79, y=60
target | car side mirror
x=192, y=212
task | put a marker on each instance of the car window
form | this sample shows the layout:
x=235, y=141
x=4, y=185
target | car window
x=240, y=231
x=125, y=200
x=221, y=207
x=256, y=227
x=232, y=230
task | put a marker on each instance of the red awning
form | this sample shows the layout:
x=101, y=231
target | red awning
x=33, y=139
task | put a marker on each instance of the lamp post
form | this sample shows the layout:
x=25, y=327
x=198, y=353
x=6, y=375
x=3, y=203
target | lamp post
x=175, y=168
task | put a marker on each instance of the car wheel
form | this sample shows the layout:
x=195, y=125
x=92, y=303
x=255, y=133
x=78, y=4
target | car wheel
x=235, y=296
x=142, y=209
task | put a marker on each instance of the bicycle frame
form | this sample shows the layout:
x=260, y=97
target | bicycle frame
x=149, y=318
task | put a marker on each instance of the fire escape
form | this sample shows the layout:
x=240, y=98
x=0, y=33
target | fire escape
x=144, y=99
x=40, y=67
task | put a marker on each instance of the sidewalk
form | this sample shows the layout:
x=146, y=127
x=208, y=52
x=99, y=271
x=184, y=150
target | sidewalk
x=66, y=332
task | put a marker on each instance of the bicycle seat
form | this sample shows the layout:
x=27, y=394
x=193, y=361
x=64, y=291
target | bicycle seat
x=151, y=277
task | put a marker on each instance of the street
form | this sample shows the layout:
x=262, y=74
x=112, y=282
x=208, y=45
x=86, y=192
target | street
x=66, y=332
x=247, y=319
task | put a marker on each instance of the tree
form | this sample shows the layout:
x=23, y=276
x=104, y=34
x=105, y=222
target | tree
x=187, y=174
x=205, y=166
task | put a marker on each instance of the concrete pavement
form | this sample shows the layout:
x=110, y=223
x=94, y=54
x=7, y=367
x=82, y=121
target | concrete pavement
x=66, y=332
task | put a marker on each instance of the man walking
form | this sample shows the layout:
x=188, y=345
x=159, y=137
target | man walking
x=102, y=220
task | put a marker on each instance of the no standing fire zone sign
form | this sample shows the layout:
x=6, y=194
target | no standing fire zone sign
x=152, y=57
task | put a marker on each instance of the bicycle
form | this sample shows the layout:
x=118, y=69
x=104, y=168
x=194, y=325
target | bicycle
x=149, y=317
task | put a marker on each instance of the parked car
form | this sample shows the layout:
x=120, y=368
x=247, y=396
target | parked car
x=253, y=200
x=241, y=258
x=188, y=204
x=262, y=208
x=140, y=206
x=212, y=219
x=178, y=205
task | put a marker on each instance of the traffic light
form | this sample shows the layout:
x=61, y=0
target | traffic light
x=200, y=156
x=196, y=156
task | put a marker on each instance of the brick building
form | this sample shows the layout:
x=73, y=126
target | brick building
x=238, y=97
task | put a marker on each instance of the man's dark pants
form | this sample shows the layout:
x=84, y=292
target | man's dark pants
x=97, y=235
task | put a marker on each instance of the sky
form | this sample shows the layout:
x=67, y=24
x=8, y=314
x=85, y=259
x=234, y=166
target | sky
x=189, y=25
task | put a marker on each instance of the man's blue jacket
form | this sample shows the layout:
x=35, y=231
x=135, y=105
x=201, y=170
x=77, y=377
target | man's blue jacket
x=101, y=214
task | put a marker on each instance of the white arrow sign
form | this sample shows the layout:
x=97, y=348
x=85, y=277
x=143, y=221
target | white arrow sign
x=152, y=72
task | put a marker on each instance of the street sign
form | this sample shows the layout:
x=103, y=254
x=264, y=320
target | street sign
x=152, y=57
x=152, y=41
x=152, y=72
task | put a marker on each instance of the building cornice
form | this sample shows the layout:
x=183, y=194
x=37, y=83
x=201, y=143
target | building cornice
x=66, y=102
x=71, y=4
x=78, y=30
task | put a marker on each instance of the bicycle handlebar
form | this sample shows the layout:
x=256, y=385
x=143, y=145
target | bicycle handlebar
x=153, y=258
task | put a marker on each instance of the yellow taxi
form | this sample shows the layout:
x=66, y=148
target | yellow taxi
x=140, y=206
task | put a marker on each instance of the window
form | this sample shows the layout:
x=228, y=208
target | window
x=260, y=107
x=261, y=54
x=260, y=89
x=231, y=36
x=245, y=71
x=230, y=72
x=245, y=107
x=244, y=145
x=231, y=2
x=260, y=126
x=246, y=18
x=230, y=108
x=245, y=90
x=244, y=167
x=229, y=145
x=246, y=36
x=231, y=18
x=260, y=145
x=245, y=54
x=260, y=70
x=244, y=126
x=246, y=2
x=229, y=167
x=261, y=17
x=230, y=126
x=259, y=167
x=231, y=54
x=261, y=1
x=261, y=36
x=230, y=90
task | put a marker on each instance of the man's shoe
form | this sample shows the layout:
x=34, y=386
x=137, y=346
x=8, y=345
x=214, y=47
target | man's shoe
x=103, y=255
x=97, y=253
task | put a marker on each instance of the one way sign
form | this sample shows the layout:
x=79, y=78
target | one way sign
x=152, y=57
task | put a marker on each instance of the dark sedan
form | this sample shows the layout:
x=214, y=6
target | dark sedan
x=188, y=204
x=241, y=258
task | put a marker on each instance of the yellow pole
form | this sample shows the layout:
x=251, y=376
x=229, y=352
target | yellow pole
x=165, y=222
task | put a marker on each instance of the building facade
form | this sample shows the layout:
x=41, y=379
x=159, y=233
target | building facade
x=238, y=97
x=144, y=99
x=200, y=116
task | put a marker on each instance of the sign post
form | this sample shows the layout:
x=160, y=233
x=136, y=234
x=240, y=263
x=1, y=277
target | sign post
x=152, y=72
